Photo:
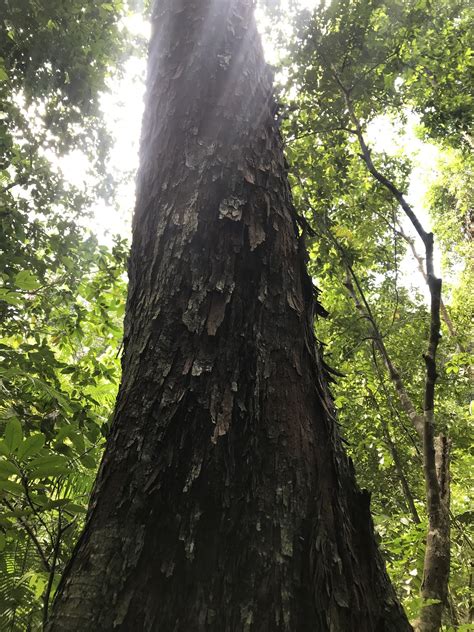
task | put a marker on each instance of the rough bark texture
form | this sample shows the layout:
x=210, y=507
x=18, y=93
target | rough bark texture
x=436, y=466
x=224, y=501
x=434, y=589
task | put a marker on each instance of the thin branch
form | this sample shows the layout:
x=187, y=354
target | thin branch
x=32, y=535
x=315, y=132
x=365, y=309
x=366, y=155
x=395, y=456
x=444, y=310
x=56, y=551
x=393, y=408
x=33, y=508
x=15, y=183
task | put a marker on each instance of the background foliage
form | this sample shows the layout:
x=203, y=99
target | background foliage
x=357, y=66
x=62, y=296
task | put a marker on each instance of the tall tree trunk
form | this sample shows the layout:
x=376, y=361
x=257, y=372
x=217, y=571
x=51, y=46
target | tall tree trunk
x=434, y=589
x=224, y=501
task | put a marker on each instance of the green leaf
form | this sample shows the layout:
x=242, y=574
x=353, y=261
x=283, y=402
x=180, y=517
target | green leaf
x=65, y=432
x=78, y=442
x=7, y=468
x=59, y=502
x=13, y=434
x=38, y=582
x=51, y=465
x=52, y=392
x=31, y=445
x=10, y=297
x=26, y=280
x=12, y=487
x=75, y=508
x=88, y=461
x=50, y=459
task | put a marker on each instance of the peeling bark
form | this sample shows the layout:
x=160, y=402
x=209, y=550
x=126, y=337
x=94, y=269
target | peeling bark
x=224, y=501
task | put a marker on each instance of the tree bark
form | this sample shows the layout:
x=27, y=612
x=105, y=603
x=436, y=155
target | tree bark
x=434, y=589
x=224, y=501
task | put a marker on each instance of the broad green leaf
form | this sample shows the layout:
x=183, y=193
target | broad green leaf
x=51, y=465
x=10, y=297
x=78, y=442
x=88, y=461
x=7, y=468
x=75, y=508
x=50, y=459
x=30, y=446
x=60, y=502
x=65, y=432
x=53, y=392
x=12, y=487
x=45, y=471
x=38, y=582
x=39, y=499
x=13, y=434
x=26, y=280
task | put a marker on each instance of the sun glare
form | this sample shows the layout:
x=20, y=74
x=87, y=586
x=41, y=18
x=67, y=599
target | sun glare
x=123, y=109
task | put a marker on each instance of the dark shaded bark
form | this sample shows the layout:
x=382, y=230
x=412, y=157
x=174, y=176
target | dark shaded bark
x=224, y=501
x=436, y=564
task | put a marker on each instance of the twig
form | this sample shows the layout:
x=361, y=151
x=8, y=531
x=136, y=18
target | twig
x=32, y=535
